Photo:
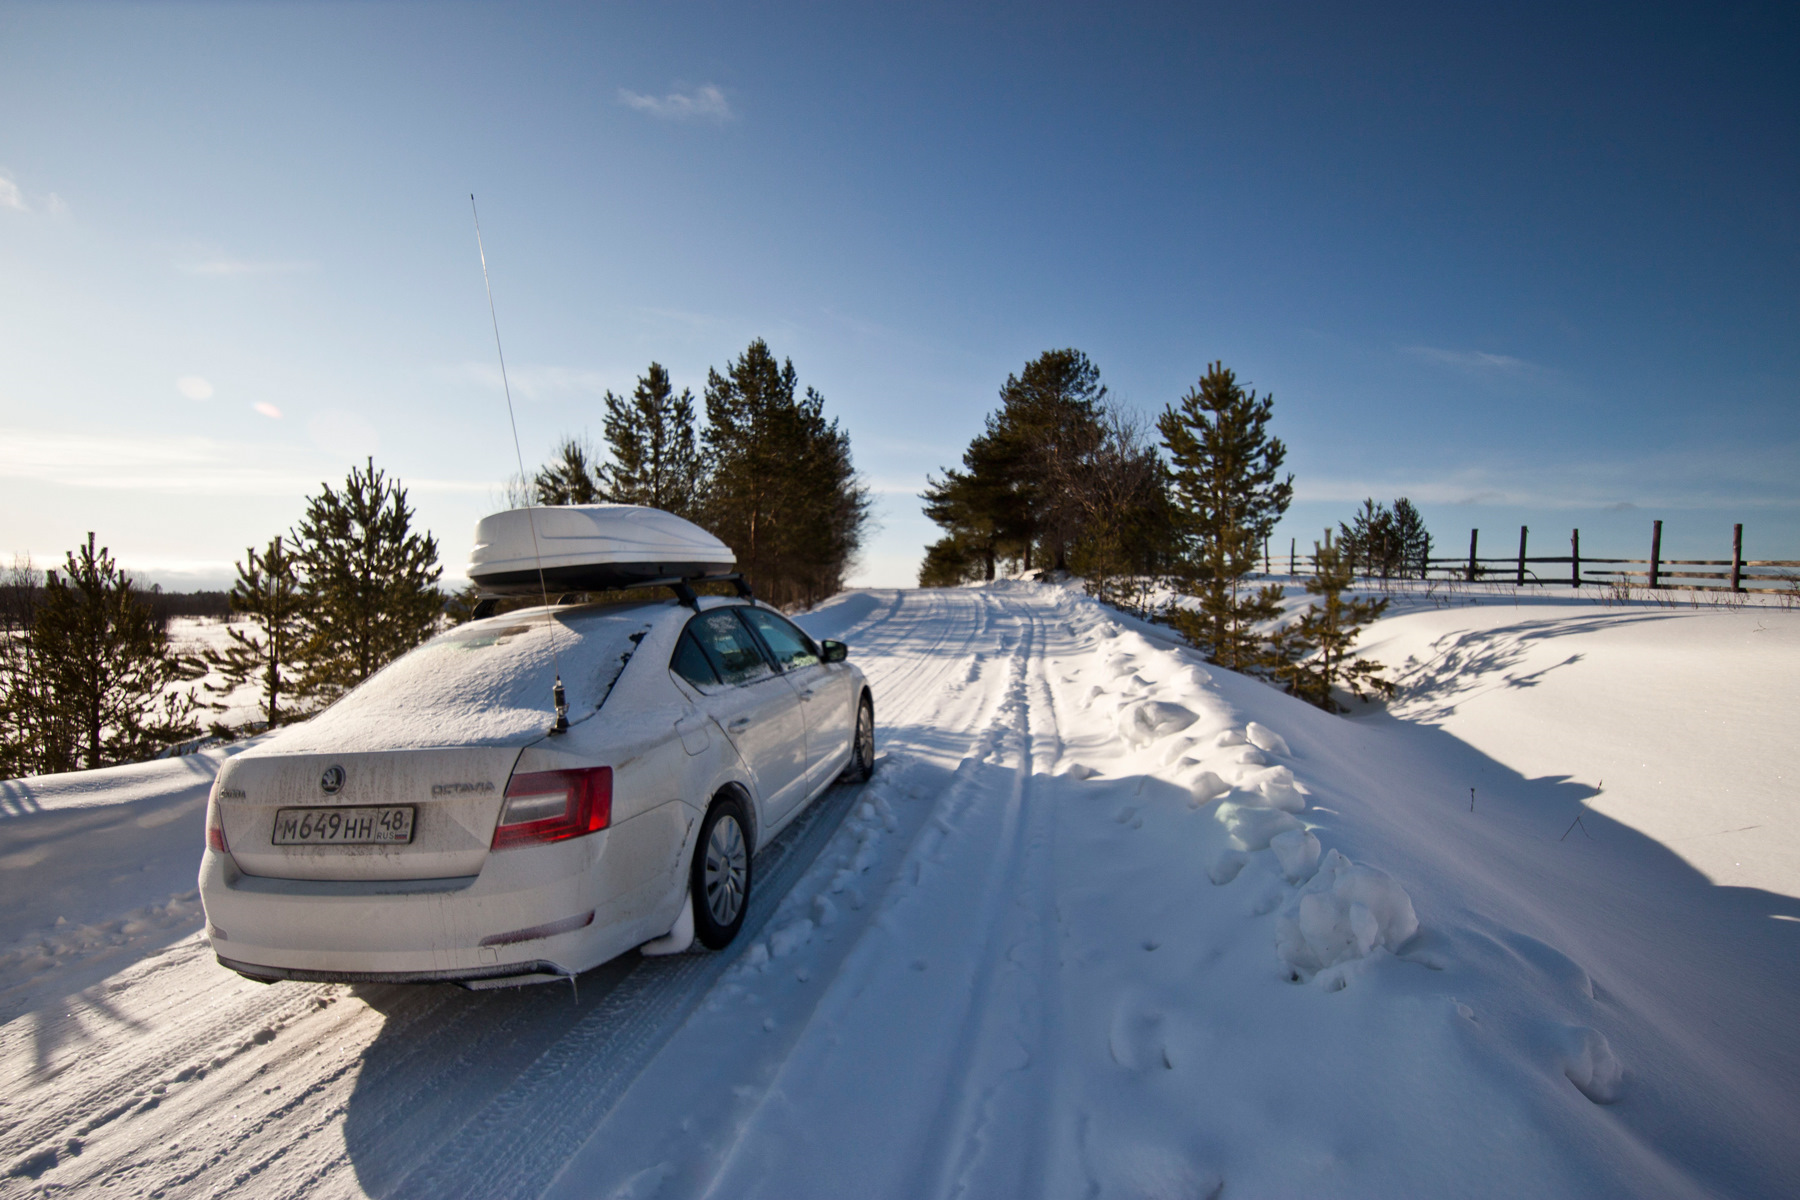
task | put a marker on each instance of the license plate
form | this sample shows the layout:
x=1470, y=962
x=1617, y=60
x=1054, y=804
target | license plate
x=390, y=824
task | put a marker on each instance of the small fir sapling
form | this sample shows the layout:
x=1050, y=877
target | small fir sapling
x=268, y=594
x=1313, y=655
x=1227, y=491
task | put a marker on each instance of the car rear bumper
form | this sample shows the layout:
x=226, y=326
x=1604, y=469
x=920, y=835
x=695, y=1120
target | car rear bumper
x=531, y=911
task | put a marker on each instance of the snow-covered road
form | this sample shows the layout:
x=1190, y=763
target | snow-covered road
x=1078, y=936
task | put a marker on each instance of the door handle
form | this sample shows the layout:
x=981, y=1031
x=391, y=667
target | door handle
x=739, y=725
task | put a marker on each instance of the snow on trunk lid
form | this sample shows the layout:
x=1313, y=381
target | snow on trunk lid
x=406, y=814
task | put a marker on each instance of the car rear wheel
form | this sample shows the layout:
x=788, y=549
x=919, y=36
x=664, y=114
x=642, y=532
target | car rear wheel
x=720, y=879
x=862, y=747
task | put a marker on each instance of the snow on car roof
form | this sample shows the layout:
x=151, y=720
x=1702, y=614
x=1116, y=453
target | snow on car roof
x=590, y=547
x=487, y=683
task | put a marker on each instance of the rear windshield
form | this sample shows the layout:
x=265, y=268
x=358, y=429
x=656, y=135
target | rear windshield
x=488, y=683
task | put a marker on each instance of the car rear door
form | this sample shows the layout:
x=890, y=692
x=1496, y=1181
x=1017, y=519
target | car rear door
x=758, y=710
x=824, y=693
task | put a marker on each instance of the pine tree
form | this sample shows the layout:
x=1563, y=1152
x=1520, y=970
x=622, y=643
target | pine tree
x=1028, y=485
x=1314, y=654
x=947, y=563
x=655, y=460
x=20, y=593
x=571, y=476
x=1413, y=541
x=1045, y=436
x=267, y=592
x=96, y=681
x=368, y=582
x=1228, y=493
x=781, y=488
x=1372, y=541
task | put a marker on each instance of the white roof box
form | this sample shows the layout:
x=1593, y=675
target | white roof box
x=590, y=547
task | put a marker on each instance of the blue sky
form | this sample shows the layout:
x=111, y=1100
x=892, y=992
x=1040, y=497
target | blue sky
x=1526, y=266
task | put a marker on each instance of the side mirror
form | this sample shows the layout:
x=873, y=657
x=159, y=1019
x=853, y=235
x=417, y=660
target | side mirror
x=834, y=651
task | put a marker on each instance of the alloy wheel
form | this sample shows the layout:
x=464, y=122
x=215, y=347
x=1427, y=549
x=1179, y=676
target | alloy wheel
x=726, y=871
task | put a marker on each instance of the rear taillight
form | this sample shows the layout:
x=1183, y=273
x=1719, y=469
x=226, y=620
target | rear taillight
x=215, y=828
x=549, y=806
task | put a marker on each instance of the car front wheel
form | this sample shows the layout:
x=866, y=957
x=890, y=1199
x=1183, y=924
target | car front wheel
x=721, y=874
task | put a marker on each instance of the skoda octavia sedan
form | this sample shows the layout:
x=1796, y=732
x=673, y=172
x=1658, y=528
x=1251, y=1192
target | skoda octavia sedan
x=431, y=826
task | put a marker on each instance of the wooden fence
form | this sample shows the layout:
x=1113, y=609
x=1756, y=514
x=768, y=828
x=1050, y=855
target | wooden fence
x=1738, y=574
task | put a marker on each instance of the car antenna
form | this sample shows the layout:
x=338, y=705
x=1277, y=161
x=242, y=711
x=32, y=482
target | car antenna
x=558, y=697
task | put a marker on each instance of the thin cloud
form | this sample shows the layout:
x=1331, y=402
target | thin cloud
x=706, y=103
x=11, y=197
x=176, y=464
x=531, y=382
x=268, y=410
x=194, y=387
x=1471, y=360
x=229, y=267
x=1733, y=478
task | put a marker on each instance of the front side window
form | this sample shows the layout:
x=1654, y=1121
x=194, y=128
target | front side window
x=792, y=648
x=734, y=653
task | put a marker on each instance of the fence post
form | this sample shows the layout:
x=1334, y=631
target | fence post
x=1522, y=532
x=1655, y=553
x=1737, y=556
x=1575, y=558
x=1266, y=570
x=1473, y=569
x=1293, y=568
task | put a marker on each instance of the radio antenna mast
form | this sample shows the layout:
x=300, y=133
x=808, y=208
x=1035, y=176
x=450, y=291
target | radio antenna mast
x=558, y=696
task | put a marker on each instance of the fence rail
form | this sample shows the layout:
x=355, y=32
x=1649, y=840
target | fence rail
x=1744, y=575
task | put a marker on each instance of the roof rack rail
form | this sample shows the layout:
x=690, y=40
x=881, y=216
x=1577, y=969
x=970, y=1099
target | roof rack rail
x=681, y=585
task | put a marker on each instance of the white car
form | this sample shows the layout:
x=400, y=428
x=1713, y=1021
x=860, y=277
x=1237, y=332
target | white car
x=433, y=826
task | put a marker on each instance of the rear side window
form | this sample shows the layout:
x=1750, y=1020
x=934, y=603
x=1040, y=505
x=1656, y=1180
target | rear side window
x=690, y=662
x=792, y=648
x=734, y=653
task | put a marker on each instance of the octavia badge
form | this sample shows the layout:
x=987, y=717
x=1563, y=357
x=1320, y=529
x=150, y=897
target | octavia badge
x=332, y=780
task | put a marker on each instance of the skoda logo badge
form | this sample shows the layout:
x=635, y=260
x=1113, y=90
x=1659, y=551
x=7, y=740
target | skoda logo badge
x=332, y=780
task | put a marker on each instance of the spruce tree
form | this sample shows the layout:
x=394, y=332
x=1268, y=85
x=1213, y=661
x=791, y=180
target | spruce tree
x=100, y=678
x=781, y=488
x=1315, y=654
x=655, y=460
x=268, y=594
x=1413, y=540
x=368, y=582
x=1029, y=481
x=1043, y=439
x=571, y=476
x=1228, y=493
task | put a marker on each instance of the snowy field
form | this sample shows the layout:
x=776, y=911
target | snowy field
x=1106, y=922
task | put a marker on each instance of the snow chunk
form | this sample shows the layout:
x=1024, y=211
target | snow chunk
x=1590, y=1064
x=1207, y=786
x=1226, y=866
x=1264, y=738
x=1276, y=787
x=1146, y=721
x=1229, y=737
x=1345, y=913
x=1252, y=826
x=1298, y=852
x=790, y=937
